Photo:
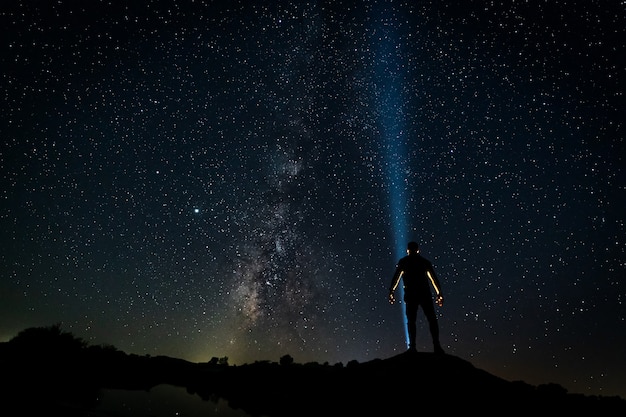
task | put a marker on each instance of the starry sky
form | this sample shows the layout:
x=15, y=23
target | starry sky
x=238, y=179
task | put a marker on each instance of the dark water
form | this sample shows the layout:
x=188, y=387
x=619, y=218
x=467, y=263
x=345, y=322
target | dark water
x=161, y=401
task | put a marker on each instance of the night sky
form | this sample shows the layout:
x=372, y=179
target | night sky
x=238, y=179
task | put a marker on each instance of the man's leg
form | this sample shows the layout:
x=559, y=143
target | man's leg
x=411, y=324
x=433, y=325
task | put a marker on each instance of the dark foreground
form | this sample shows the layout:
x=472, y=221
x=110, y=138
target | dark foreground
x=65, y=378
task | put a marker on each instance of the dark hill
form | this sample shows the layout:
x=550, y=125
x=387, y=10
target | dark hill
x=410, y=382
x=46, y=371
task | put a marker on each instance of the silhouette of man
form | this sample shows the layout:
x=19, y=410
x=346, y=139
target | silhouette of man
x=417, y=273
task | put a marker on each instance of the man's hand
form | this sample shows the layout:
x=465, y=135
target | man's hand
x=439, y=300
x=392, y=299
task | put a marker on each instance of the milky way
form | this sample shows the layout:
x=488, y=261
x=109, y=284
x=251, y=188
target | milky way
x=237, y=179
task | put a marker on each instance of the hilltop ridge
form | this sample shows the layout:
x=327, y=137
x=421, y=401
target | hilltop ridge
x=47, y=370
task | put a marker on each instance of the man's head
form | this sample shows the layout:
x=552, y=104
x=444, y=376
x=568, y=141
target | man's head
x=412, y=247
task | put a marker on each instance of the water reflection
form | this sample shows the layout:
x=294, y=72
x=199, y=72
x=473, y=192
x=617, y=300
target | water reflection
x=161, y=401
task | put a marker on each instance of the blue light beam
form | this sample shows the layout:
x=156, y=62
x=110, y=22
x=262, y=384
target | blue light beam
x=390, y=110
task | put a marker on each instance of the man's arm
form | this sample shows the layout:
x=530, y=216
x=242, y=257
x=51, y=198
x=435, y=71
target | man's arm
x=436, y=285
x=394, y=283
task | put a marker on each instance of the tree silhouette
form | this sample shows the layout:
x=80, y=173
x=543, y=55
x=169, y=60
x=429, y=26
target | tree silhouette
x=286, y=360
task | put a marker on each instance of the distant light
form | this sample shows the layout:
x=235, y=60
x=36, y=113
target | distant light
x=196, y=210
